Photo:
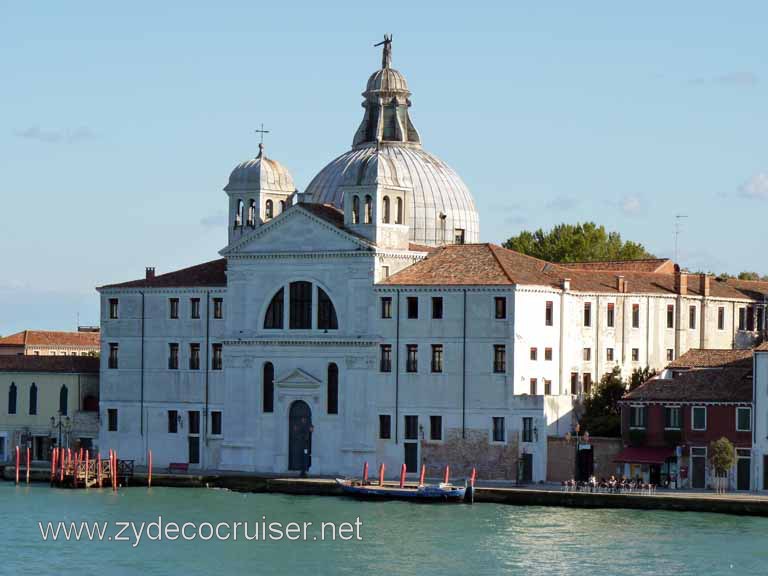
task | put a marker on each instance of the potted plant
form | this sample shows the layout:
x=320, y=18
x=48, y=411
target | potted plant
x=722, y=457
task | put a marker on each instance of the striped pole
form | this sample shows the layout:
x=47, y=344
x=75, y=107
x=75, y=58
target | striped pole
x=53, y=464
x=423, y=474
x=381, y=474
x=365, y=472
x=62, y=456
x=403, y=470
x=98, y=468
x=149, y=478
x=18, y=463
x=87, y=463
x=29, y=461
x=447, y=474
x=473, y=477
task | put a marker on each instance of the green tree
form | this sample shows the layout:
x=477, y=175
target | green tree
x=640, y=376
x=722, y=456
x=576, y=243
x=602, y=416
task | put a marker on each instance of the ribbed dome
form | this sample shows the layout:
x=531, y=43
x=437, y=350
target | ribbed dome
x=434, y=189
x=261, y=173
x=386, y=80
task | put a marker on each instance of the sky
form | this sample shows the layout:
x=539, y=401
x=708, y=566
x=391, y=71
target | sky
x=120, y=124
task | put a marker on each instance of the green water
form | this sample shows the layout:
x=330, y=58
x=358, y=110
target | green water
x=397, y=538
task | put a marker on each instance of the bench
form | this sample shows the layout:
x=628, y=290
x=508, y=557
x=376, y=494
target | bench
x=178, y=467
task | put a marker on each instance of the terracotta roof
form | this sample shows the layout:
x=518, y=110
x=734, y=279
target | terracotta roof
x=208, y=274
x=50, y=338
x=67, y=364
x=727, y=385
x=763, y=347
x=712, y=358
x=658, y=265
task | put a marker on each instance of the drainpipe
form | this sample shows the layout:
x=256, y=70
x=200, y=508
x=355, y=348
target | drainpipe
x=142, y=364
x=464, y=371
x=207, y=369
x=397, y=366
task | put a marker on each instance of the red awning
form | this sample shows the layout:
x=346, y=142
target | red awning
x=644, y=455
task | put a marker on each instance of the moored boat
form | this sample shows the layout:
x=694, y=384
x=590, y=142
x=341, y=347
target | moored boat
x=416, y=493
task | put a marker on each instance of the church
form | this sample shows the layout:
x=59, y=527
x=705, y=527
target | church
x=361, y=320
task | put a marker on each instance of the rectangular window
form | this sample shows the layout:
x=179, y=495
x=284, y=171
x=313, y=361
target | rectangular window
x=112, y=419
x=385, y=359
x=194, y=308
x=635, y=315
x=548, y=313
x=743, y=419
x=500, y=307
x=547, y=387
x=534, y=353
x=721, y=317
x=194, y=421
x=587, y=383
x=217, y=361
x=610, y=315
x=113, y=352
x=692, y=317
x=742, y=318
x=587, y=313
x=412, y=358
x=672, y=417
x=527, y=429
x=386, y=307
x=635, y=354
x=609, y=354
x=413, y=307
x=435, y=427
x=216, y=423
x=385, y=426
x=300, y=305
x=173, y=308
x=173, y=422
x=498, y=429
x=194, y=356
x=670, y=354
x=113, y=306
x=411, y=428
x=637, y=417
x=760, y=319
x=548, y=354
x=437, y=357
x=699, y=418
x=574, y=383
x=534, y=385
x=385, y=271
x=437, y=307
x=459, y=236
x=499, y=358
x=670, y=315
x=587, y=354
x=218, y=308
x=173, y=356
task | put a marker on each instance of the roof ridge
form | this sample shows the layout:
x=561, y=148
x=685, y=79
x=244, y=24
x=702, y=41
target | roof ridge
x=492, y=248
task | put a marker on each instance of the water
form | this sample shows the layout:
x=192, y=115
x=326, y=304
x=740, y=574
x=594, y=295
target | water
x=398, y=538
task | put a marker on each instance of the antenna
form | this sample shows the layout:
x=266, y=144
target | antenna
x=678, y=224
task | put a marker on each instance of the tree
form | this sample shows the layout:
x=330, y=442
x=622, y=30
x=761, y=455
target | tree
x=640, y=376
x=602, y=415
x=576, y=243
x=722, y=457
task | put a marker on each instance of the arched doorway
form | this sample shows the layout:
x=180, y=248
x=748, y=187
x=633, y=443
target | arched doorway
x=299, y=436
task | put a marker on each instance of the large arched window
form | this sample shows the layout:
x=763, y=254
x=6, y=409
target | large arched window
x=33, y=399
x=268, y=388
x=385, y=210
x=333, y=388
x=239, y=214
x=63, y=394
x=269, y=210
x=355, y=209
x=326, y=313
x=252, y=213
x=300, y=312
x=12, y=399
x=399, y=211
x=274, y=317
x=368, y=209
x=282, y=206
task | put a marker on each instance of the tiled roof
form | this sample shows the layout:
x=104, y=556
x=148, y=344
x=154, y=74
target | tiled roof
x=658, y=265
x=65, y=364
x=712, y=358
x=763, y=347
x=208, y=274
x=50, y=338
x=728, y=385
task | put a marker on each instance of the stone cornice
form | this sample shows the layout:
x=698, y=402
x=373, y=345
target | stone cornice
x=164, y=290
x=287, y=341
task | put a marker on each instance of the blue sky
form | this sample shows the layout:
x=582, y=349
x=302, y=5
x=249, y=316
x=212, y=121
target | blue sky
x=121, y=122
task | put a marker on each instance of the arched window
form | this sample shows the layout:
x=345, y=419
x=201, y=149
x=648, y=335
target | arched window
x=33, y=399
x=399, y=211
x=63, y=393
x=300, y=312
x=355, y=209
x=269, y=210
x=12, y=399
x=239, y=214
x=252, y=213
x=368, y=209
x=282, y=206
x=326, y=313
x=268, y=388
x=274, y=317
x=385, y=210
x=333, y=388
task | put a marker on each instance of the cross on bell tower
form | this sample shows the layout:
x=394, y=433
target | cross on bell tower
x=386, y=52
x=260, y=131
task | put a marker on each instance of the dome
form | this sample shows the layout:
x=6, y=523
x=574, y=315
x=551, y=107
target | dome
x=386, y=80
x=261, y=173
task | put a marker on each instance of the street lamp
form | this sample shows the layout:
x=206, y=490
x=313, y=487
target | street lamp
x=64, y=426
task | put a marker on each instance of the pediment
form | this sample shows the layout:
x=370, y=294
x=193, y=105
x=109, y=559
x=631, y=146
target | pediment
x=298, y=378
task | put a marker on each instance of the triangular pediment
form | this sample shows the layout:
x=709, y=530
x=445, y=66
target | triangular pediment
x=297, y=378
x=297, y=230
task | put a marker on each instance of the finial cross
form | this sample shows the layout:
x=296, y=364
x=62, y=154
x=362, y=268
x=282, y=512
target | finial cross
x=261, y=132
x=386, y=53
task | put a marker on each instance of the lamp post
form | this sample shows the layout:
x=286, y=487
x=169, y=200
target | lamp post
x=63, y=425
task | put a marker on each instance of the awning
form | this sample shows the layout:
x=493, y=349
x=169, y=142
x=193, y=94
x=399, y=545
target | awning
x=635, y=455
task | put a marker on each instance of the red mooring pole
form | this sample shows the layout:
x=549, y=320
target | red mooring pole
x=114, y=478
x=18, y=463
x=473, y=477
x=423, y=474
x=87, y=463
x=29, y=461
x=403, y=470
x=381, y=474
x=53, y=464
x=447, y=474
x=62, y=456
x=149, y=477
x=365, y=472
x=98, y=468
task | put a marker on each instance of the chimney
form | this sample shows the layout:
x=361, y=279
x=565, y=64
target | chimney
x=566, y=284
x=681, y=283
x=150, y=273
x=620, y=284
x=704, y=284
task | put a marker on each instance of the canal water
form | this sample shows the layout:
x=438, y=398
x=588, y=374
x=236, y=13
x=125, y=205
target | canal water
x=395, y=538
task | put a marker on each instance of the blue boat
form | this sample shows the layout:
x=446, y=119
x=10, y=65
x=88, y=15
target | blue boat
x=422, y=493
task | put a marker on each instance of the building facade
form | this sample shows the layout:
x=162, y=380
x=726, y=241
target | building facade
x=84, y=342
x=760, y=434
x=360, y=320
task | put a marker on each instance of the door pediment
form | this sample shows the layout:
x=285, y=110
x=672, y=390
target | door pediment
x=298, y=379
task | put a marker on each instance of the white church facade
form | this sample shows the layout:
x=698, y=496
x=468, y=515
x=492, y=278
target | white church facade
x=361, y=320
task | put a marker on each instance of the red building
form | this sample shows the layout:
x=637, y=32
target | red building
x=669, y=421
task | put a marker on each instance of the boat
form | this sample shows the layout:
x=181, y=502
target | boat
x=422, y=493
